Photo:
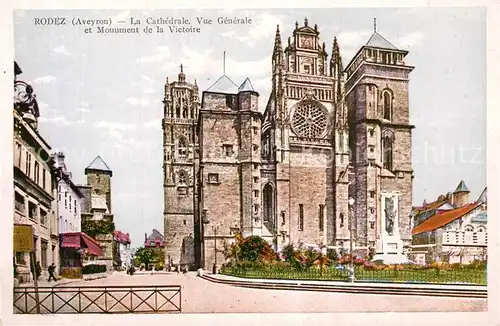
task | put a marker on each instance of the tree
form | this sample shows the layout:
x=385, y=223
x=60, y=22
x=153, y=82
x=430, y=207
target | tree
x=145, y=255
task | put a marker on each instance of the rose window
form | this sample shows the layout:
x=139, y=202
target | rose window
x=309, y=120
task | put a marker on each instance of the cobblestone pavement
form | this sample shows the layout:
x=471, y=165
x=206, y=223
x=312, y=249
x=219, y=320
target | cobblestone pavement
x=201, y=296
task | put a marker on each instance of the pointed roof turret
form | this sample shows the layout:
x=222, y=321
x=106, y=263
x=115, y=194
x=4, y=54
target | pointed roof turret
x=246, y=86
x=98, y=164
x=223, y=85
x=461, y=187
x=483, y=198
x=378, y=41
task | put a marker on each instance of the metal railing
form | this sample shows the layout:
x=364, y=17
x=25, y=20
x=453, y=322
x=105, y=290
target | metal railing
x=97, y=299
x=426, y=276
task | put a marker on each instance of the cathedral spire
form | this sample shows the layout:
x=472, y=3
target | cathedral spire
x=182, y=76
x=336, y=66
x=278, y=48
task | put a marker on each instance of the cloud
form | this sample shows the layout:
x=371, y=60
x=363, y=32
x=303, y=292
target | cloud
x=45, y=108
x=353, y=39
x=134, y=101
x=208, y=63
x=410, y=40
x=162, y=53
x=351, y=42
x=116, y=132
x=263, y=27
x=114, y=125
x=155, y=123
x=84, y=107
x=60, y=120
x=228, y=33
x=44, y=80
x=61, y=49
x=149, y=91
x=148, y=79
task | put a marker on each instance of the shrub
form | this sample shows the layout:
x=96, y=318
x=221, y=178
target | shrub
x=476, y=264
x=332, y=255
x=93, y=269
x=252, y=248
x=287, y=252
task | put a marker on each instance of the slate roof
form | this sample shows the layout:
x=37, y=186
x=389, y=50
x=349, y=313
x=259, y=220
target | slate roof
x=156, y=239
x=461, y=187
x=246, y=86
x=378, y=41
x=223, y=85
x=483, y=198
x=441, y=218
x=480, y=218
x=98, y=164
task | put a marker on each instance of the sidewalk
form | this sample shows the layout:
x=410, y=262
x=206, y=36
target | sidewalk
x=44, y=283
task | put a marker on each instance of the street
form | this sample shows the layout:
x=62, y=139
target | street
x=201, y=296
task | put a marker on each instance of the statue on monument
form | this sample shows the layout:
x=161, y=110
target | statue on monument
x=390, y=215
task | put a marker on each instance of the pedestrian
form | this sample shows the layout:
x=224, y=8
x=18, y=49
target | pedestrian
x=52, y=269
x=38, y=270
x=178, y=268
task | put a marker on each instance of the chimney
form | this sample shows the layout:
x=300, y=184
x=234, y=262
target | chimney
x=145, y=236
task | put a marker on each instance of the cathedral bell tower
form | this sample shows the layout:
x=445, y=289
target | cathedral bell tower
x=180, y=152
x=380, y=134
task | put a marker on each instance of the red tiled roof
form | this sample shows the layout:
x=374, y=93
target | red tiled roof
x=122, y=237
x=441, y=218
x=429, y=206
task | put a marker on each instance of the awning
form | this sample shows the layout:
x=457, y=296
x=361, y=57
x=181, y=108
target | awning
x=70, y=240
x=92, y=245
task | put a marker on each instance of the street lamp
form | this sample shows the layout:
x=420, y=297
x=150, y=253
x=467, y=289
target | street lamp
x=350, y=276
x=215, y=229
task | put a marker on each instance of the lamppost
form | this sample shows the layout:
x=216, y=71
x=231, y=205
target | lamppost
x=350, y=271
x=215, y=229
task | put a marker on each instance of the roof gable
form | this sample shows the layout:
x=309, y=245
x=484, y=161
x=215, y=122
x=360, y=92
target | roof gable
x=98, y=164
x=223, y=85
x=378, y=41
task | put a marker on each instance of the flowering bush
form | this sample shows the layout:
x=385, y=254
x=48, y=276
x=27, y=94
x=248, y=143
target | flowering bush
x=252, y=248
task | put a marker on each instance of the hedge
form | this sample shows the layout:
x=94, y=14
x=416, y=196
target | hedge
x=93, y=269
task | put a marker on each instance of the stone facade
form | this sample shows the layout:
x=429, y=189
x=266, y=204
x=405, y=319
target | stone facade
x=287, y=174
x=35, y=188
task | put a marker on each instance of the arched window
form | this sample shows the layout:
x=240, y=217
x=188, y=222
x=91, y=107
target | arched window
x=481, y=229
x=469, y=228
x=387, y=144
x=182, y=147
x=387, y=105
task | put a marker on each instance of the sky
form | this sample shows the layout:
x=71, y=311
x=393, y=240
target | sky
x=100, y=94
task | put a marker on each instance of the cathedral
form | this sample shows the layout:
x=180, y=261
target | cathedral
x=327, y=162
